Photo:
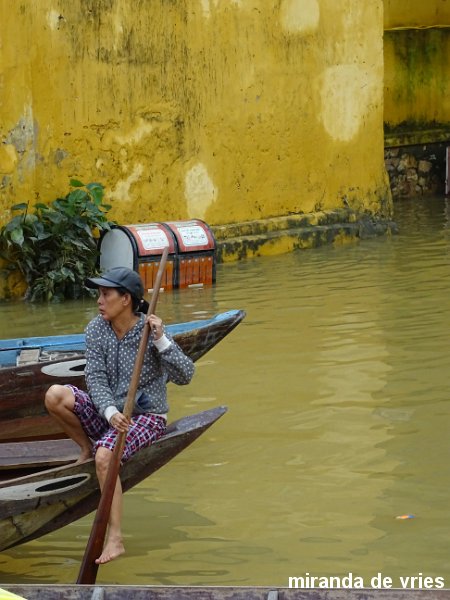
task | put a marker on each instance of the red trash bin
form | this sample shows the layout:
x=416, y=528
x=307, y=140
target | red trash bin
x=196, y=252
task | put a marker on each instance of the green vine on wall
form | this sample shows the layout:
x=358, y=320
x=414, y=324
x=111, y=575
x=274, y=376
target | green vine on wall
x=55, y=246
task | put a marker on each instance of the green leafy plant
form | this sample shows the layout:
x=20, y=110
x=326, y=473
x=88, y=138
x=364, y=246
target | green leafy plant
x=55, y=245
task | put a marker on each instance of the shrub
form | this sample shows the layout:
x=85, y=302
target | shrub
x=55, y=246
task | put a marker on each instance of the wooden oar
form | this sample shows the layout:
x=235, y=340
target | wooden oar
x=89, y=568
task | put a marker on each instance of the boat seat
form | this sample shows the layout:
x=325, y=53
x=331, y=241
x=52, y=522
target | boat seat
x=27, y=356
x=50, y=453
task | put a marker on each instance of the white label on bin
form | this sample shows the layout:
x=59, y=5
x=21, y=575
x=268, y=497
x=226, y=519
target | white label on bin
x=193, y=235
x=152, y=239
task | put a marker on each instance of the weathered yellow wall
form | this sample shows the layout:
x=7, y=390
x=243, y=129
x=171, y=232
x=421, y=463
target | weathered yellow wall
x=226, y=110
x=417, y=63
x=416, y=13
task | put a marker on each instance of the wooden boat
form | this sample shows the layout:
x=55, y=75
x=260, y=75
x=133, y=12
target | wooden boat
x=136, y=592
x=60, y=359
x=37, y=496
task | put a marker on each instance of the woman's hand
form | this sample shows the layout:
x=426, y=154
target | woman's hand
x=120, y=422
x=156, y=326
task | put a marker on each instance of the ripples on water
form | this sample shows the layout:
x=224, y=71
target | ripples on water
x=337, y=388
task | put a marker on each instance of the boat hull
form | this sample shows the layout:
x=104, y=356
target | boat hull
x=22, y=389
x=36, y=504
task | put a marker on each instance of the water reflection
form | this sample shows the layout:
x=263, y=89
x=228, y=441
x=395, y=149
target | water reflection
x=338, y=416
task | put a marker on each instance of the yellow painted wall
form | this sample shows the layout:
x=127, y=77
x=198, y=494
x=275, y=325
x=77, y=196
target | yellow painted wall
x=416, y=13
x=417, y=63
x=226, y=110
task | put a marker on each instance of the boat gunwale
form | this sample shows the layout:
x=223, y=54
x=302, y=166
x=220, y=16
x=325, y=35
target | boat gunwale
x=78, y=352
x=189, y=423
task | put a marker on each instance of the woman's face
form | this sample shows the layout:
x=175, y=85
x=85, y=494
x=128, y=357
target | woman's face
x=111, y=304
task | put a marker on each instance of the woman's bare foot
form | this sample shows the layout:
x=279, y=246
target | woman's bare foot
x=113, y=548
x=85, y=455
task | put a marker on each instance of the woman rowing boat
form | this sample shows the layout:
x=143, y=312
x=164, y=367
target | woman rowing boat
x=94, y=419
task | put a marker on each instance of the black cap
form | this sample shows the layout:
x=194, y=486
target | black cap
x=119, y=277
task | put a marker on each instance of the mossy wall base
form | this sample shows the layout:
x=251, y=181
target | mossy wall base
x=266, y=237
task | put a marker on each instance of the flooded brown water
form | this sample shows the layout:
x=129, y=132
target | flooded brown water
x=337, y=385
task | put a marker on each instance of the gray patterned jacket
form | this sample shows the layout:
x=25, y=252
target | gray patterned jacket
x=110, y=363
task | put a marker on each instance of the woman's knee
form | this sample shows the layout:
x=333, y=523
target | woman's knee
x=102, y=458
x=58, y=395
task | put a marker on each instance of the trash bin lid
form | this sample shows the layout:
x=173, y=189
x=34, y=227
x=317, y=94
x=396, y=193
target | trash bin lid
x=192, y=236
x=124, y=245
x=152, y=238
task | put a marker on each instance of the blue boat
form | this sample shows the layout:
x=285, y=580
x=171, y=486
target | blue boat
x=28, y=366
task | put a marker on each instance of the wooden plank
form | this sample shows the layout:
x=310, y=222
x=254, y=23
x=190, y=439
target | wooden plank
x=28, y=356
x=38, y=454
x=134, y=592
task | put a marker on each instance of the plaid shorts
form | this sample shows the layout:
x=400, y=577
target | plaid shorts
x=144, y=429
